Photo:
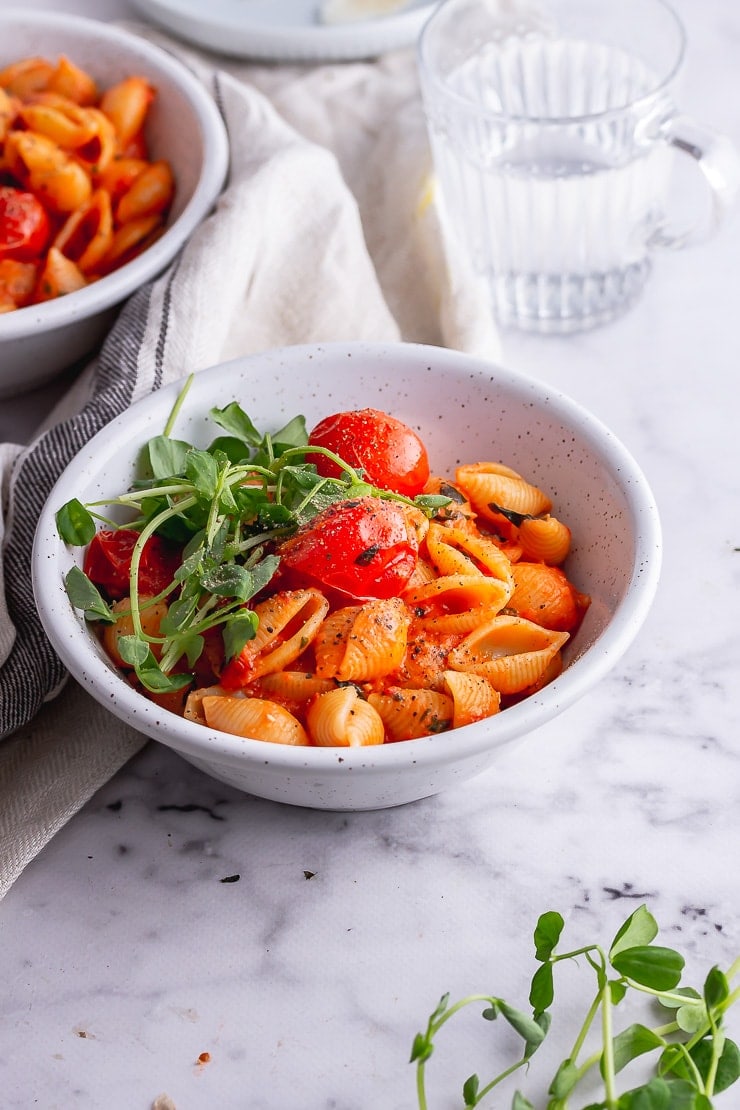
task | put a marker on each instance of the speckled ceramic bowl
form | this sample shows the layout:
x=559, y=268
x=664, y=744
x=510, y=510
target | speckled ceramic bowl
x=465, y=409
x=184, y=126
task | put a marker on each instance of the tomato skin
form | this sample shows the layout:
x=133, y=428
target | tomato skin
x=360, y=549
x=108, y=563
x=25, y=227
x=389, y=452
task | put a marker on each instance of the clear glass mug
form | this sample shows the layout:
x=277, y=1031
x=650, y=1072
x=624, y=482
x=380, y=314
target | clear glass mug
x=553, y=131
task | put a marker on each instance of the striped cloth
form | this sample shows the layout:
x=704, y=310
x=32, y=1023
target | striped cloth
x=319, y=235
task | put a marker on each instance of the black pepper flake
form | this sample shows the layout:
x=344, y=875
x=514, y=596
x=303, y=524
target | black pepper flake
x=366, y=557
x=308, y=874
x=230, y=879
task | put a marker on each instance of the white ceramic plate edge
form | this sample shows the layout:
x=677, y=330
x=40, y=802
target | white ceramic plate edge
x=230, y=31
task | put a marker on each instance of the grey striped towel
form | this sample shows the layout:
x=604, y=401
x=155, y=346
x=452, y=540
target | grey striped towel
x=319, y=235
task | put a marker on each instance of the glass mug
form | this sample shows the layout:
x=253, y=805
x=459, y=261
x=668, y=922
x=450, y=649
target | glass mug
x=554, y=134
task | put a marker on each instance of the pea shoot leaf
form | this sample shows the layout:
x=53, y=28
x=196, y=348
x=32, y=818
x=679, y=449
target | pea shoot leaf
x=166, y=456
x=650, y=965
x=640, y=928
x=75, y=524
x=547, y=934
x=238, y=631
x=632, y=1042
x=202, y=470
x=234, y=420
x=86, y=596
x=541, y=991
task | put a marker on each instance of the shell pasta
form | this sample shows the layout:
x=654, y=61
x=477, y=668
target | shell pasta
x=80, y=195
x=374, y=618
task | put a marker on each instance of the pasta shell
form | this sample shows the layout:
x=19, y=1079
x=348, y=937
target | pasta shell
x=410, y=714
x=489, y=484
x=25, y=77
x=60, y=275
x=150, y=193
x=544, y=539
x=87, y=234
x=66, y=124
x=288, y=623
x=544, y=594
x=510, y=652
x=455, y=593
x=425, y=660
x=7, y=112
x=254, y=718
x=423, y=572
x=151, y=617
x=132, y=239
x=193, y=710
x=474, y=697
x=126, y=105
x=45, y=168
x=362, y=642
x=73, y=83
x=342, y=719
x=295, y=686
x=454, y=625
x=465, y=551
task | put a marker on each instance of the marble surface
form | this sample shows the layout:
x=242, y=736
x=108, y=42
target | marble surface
x=302, y=950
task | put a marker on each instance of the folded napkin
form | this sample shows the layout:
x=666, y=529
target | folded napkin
x=326, y=230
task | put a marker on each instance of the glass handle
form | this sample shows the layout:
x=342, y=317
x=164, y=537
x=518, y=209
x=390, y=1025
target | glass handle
x=719, y=161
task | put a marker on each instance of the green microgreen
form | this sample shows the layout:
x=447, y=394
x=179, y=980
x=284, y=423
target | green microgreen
x=224, y=504
x=694, y=1059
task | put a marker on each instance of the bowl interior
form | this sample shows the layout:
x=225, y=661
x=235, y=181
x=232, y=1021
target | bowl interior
x=465, y=409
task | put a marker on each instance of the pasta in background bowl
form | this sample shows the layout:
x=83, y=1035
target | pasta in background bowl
x=464, y=409
x=183, y=129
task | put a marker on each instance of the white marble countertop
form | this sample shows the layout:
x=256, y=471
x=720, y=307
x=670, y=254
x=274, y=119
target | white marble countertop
x=303, y=950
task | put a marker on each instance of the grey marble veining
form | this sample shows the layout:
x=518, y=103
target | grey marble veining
x=302, y=950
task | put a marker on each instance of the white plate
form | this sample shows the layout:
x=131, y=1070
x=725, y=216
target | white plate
x=286, y=30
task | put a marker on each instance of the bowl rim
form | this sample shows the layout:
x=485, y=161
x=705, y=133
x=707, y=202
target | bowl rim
x=103, y=682
x=119, y=284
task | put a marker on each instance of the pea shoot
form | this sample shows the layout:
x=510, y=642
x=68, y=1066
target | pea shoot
x=695, y=1059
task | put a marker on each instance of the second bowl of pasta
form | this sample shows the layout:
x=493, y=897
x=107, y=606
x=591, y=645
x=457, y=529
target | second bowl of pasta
x=112, y=153
x=346, y=576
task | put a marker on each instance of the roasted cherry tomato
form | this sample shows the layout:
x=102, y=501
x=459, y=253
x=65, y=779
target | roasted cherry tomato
x=108, y=562
x=391, y=455
x=24, y=225
x=366, y=548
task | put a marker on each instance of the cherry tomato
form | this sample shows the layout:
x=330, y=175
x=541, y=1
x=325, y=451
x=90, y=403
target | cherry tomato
x=108, y=562
x=361, y=549
x=24, y=225
x=389, y=452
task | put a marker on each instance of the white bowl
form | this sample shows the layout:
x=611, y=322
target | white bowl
x=466, y=409
x=184, y=126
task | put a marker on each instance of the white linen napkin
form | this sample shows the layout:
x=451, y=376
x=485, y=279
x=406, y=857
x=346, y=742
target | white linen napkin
x=326, y=230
